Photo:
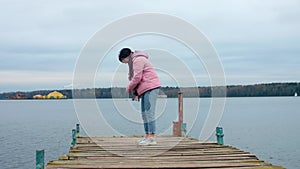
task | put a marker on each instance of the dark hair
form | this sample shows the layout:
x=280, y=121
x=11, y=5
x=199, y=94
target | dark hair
x=124, y=53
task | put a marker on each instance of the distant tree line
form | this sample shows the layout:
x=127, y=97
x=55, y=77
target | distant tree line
x=257, y=90
x=272, y=89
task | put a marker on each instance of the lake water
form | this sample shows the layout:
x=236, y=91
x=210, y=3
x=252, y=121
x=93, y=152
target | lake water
x=265, y=126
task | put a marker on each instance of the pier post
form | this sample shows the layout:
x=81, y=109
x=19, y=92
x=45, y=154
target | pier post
x=77, y=129
x=180, y=107
x=39, y=157
x=178, y=126
x=73, y=137
x=220, y=135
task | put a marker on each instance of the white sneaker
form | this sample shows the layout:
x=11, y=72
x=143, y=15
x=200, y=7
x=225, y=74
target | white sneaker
x=152, y=141
x=147, y=141
x=141, y=140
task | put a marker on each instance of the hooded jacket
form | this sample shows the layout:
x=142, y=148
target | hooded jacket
x=144, y=76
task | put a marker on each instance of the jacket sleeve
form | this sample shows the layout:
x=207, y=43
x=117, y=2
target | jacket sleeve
x=138, y=66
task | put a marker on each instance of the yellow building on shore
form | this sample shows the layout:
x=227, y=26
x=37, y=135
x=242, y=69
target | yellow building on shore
x=38, y=96
x=52, y=95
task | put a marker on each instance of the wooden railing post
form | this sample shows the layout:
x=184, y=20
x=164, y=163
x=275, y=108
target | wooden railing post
x=220, y=135
x=180, y=107
x=39, y=157
x=179, y=128
x=73, y=137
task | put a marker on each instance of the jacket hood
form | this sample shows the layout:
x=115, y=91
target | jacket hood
x=139, y=53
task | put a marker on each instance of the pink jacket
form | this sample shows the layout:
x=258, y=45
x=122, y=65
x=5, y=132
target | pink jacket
x=145, y=77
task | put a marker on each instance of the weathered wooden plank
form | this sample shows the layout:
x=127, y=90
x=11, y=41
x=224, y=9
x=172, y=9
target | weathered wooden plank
x=174, y=159
x=160, y=152
x=152, y=164
x=167, y=153
x=75, y=155
x=134, y=144
x=129, y=148
x=157, y=153
x=110, y=140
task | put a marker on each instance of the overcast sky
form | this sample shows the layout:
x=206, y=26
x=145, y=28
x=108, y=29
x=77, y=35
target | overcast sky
x=257, y=41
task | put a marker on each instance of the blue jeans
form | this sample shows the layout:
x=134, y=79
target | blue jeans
x=148, y=103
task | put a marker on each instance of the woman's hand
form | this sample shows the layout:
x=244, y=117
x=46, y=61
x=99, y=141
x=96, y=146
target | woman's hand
x=127, y=90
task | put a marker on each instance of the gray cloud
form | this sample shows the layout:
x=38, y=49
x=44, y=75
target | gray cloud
x=255, y=39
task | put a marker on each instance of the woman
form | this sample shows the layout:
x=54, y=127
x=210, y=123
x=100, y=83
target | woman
x=145, y=84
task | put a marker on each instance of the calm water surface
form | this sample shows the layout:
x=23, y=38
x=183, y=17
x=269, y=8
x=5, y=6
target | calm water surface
x=267, y=127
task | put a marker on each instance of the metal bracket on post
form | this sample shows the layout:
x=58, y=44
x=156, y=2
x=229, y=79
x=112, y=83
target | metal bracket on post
x=220, y=135
x=39, y=156
x=77, y=129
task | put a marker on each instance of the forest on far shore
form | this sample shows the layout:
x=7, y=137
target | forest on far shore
x=257, y=90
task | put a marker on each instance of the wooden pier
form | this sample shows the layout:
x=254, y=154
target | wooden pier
x=170, y=152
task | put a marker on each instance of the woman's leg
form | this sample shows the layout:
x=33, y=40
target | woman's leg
x=148, y=104
x=151, y=112
x=144, y=99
